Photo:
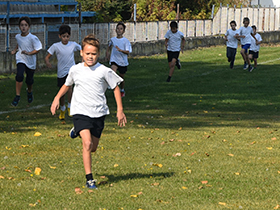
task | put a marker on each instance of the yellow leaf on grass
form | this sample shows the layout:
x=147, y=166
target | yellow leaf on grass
x=32, y=205
x=270, y=148
x=277, y=207
x=274, y=138
x=184, y=188
x=133, y=196
x=158, y=165
x=204, y=182
x=116, y=165
x=25, y=146
x=7, y=148
x=222, y=203
x=52, y=167
x=2, y=177
x=231, y=155
x=237, y=173
x=37, y=134
x=37, y=171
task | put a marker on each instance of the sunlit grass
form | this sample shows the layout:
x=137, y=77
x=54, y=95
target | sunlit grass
x=207, y=140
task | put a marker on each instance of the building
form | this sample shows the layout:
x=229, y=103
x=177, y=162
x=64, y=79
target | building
x=265, y=3
x=43, y=11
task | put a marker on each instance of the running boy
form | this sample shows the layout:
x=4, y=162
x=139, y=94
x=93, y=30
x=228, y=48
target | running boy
x=120, y=48
x=89, y=106
x=255, y=47
x=64, y=51
x=245, y=33
x=232, y=43
x=174, y=43
x=28, y=45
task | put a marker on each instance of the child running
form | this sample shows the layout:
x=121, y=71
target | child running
x=89, y=106
x=174, y=43
x=64, y=51
x=120, y=48
x=245, y=33
x=28, y=45
x=232, y=43
x=255, y=48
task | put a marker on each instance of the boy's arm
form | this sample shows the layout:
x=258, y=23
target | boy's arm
x=55, y=104
x=227, y=38
x=183, y=44
x=108, y=51
x=166, y=42
x=47, y=60
x=14, y=50
x=30, y=53
x=120, y=115
x=123, y=51
x=254, y=37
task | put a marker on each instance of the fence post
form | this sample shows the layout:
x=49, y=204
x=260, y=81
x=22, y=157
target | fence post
x=109, y=31
x=203, y=27
x=46, y=35
x=241, y=15
x=212, y=19
x=7, y=37
x=227, y=16
x=157, y=30
x=263, y=19
x=146, y=31
x=253, y=19
x=269, y=10
x=274, y=25
x=195, y=28
x=258, y=21
x=187, y=30
x=220, y=25
x=234, y=11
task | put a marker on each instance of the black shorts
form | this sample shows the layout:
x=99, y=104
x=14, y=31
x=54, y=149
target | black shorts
x=95, y=125
x=121, y=69
x=255, y=54
x=171, y=55
x=61, y=81
x=21, y=68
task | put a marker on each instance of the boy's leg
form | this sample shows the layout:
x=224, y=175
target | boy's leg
x=228, y=54
x=114, y=68
x=122, y=83
x=29, y=82
x=69, y=97
x=172, y=66
x=255, y=62
x=19, y=81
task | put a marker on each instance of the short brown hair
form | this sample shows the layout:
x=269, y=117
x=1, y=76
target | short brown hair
x=91, y=40
x=27, y=19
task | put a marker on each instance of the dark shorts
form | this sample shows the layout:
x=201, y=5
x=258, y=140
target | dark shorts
x=121, y=69
x=95, y=125
x=255, y=54
x=21, y=68
x=246, y=47
x=61, y=81
x=171, y=55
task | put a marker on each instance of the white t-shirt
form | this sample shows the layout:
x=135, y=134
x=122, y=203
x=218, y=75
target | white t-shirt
x=65, y=56
x=174, y=40
x=91, y=84
x=232, y=41
x=247, y=33
x=254, y=47
x=116, y=56
x=28, y=43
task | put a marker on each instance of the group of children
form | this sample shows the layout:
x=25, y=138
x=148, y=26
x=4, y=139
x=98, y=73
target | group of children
x=87, y=102
x=250, y=44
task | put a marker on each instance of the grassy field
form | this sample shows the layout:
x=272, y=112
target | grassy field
x=209, y=139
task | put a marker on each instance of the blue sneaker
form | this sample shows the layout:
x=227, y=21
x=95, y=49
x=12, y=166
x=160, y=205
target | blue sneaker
x=29, y=96
x=245, y=67
x=15, y=101
x=178, y=64
x=251, y=68
x=73, y=134
x=91, y=184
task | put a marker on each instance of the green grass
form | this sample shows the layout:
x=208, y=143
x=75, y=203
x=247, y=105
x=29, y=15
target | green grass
x=210, y=124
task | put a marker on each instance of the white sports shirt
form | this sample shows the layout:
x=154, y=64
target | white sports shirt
x=116, y=56
x=174, y=40
x=232, y=41
x=28, y=43
x=65, y=56
x=91, y=84
x=254, y=47
x=247, y=33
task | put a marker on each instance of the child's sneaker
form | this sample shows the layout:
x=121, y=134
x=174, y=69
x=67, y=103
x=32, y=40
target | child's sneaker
x=251, y=68
x=72, y=133
x=245, y=66
x=68, y=110
x=91, y=184
x=178, y=64
x=62, y=115
x=15, y=101
x=29, y=96
x=122, y=94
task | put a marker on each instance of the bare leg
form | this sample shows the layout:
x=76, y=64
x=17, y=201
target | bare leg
x=172, y=67
x=122, y=83
x=255, y=62
x=69, y=94
x=62, y=101
x=18, y=87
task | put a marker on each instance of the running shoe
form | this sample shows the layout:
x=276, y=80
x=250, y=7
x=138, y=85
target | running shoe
x=73, y=134
x=245, y=66
x=15, y=101
x=91, y=184
x=29, y=96
x=122, y=94
x=251, y=68
x=62, y=115
x=178, y=64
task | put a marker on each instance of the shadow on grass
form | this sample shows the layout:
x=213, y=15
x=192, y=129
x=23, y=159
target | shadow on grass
x=131, y=176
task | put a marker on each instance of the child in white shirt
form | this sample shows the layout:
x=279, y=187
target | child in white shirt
x=64, y=51
x=120, y=48
x=255, y=47
x=28, y=45
x=232, y=43
x=89, y=106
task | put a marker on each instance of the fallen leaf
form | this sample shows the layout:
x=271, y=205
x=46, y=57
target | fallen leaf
x=231, y=155
x=222, y=203
x=37, y=134
x=171, y=140
x=156, y=164
x=140, y=193
x=102, y=177
x=25, y=146
x=207, y=154
x=270, y=148
x=116, y=165
x=277, y=207
x=2, y=177
x=78, y=190
x=3, y=168
x=133, y=196
x=184, y=188
x=90, y=191
x=155, y=184
x=193, y=153
x=32, y=205
x=253, y=142
x=10, y=178
x=237, y=173
x=7, y=148
x=52, y=167
x=37, y=171
x=162, y=143
x=27, y=170
x=274, y=138
x=204, y=182
x=177, y=154
x=180, y=128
